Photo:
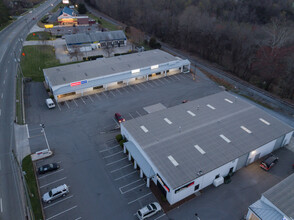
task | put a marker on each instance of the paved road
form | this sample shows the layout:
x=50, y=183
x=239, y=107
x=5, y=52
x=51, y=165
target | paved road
x=11, y=198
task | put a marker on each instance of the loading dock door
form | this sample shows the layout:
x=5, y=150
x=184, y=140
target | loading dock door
x=242, y=161
x=278, y=143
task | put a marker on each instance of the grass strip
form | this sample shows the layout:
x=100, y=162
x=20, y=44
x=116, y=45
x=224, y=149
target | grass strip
x=28, y=168
x=40, y=36
x=104, y=23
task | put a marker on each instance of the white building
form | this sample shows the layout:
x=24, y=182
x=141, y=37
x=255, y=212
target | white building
x=75, y=80
x=277, y=203
x=188, y=147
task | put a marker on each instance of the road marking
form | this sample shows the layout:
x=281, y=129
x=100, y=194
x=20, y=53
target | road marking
x=119, y=91
x=121, y=168
x=133, y=188
x=139, y=198
x=177, y=77
x=75, y=102
x=78, y=218
x=68, y=197
x=149, y=83
x=67, y=104
x=1, y=204
x=125, y=89
x=132, y=88
x=62, y=212
x=138, y=113
x=125, y=175
x=4, y=82
x=130, y=183
x=83, y=100
x=115, y=161
x=154, y=81
x=6, y=70
x=131, y=116
x=0, y=112
x=28, y=131
x=1, y=95
x=166, y=79
x=98, y=96
x=105, y=95
x=8, y=61
x=58, y=106
x=159, y=80
x=90, y=98
x=115, y=122
x=160, y=216
x=111, y=92
x=50, y=174
x=52, y=182
x=138, y=87
x=109, y=148
x=112, y=154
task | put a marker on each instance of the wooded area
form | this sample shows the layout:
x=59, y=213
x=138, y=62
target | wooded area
x=251, y=39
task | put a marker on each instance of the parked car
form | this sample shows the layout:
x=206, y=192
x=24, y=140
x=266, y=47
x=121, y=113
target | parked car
x=185, y=101
x=119, y=118
x=48, y=168
x=148, y=210
x=269, y=162
x=55, y=193
x=50, y=104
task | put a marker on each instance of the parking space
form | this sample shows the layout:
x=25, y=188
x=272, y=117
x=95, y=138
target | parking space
x=127, y=179
x=131, y=89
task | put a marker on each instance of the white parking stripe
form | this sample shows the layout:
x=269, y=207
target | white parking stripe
x=139, y=198
x=83, y=100
x=67, y=104
x=1, y=205
x=138, y=113
x=160, y=216
x=112, y=171
x=4, y=81
x=143, y=84
x=62, y=212
x=131, y=87
x=90, y=98
x=166, y=79
x=52, y=182
x=177, y=77
x=131, y=116
x=59, y=201
x=160, y=80
x=119, y=91
x=115, y=161
x=75, y=102
x=111, y=92
x=58, y=106
x=1, y=95
x=155, y=81
x=105, y=95
x=125, y=89
x=130, y=183
x=98, y=96
x=149, y=83
x=78, y=218
x=125, y=175
x=112, y=154
x=0, y=112
x=109, y=148
x=133, y=188
x=138, y=87
x=50, y=174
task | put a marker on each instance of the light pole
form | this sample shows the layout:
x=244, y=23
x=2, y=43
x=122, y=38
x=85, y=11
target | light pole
x=44, y=133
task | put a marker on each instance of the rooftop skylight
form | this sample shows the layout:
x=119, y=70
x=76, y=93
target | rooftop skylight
x=225, y=138
x=199, y=149
x=175, y=163
x=191, y=113
x=264, y=121
x=246, y=129
x=144, y=128
x=168, y=121
x=210, y=106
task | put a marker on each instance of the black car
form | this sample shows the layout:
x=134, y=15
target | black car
x=269, y=162
x=48, y=168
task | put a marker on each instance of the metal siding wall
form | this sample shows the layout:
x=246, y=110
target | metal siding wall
x=287, y=138
x=242, y=161
x=278, y=143
x=263, y=150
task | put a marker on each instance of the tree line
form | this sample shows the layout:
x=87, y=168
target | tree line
x=252, y=39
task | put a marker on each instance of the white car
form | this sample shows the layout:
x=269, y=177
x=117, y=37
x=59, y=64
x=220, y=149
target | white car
x=50, y=103
x=55, y=193
x=148, y=210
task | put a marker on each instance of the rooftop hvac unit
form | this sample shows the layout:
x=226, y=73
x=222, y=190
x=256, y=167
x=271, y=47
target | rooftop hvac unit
x=218, y=181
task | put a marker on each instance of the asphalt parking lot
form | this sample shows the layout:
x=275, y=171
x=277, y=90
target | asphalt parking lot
x=81, y=134
x=103, y=184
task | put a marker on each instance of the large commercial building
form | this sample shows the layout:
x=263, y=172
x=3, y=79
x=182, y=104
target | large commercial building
x=75, y=80
x=277, y=203
x=94, y=40
x=188, y=147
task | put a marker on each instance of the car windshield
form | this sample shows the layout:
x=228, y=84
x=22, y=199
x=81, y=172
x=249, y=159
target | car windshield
x=51, y=165
x=149, y=207
x=153, y=206
x=41, y=168
x=139, y=213
x=50, y=193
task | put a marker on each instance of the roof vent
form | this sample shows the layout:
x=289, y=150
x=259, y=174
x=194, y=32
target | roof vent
x=264, y=121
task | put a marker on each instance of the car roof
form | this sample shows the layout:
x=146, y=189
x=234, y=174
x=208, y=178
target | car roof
x=270, y=159
x=59, y=188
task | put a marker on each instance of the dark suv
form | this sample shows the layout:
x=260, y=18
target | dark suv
x=269, y=162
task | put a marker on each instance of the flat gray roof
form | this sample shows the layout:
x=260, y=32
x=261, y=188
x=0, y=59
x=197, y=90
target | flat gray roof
x=210, y=123
x=106, y=66
x=97, y=36
x=282, y=196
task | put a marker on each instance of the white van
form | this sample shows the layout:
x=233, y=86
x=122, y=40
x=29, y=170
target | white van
x=50, y=103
